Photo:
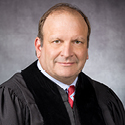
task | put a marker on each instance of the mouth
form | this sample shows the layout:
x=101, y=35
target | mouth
x=66, y=64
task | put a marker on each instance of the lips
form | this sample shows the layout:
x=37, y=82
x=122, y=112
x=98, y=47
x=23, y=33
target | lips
x=66, y=64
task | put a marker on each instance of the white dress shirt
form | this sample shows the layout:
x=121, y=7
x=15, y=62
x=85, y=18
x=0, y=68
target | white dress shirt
x=62, y=85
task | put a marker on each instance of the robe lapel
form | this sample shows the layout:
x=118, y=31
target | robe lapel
x=47, y=96
x=86, y=103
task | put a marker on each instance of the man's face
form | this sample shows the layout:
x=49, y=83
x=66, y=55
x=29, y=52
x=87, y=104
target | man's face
x=64, y=51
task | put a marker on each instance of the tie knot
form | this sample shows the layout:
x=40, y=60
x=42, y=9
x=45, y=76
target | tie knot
x=71, y=89
x=71, y=95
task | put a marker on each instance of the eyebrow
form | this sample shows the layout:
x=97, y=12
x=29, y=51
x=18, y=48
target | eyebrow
x=53, y=38
x=60, y=38
x=79, y=38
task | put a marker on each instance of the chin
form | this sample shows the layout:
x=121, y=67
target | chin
x=67, y=75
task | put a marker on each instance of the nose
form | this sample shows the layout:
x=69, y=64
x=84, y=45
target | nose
x=67, y=50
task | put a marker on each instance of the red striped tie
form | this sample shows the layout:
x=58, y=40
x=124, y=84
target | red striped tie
x=71, y=95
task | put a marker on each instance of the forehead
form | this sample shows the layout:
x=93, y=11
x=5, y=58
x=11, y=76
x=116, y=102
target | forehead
x=63, y=17
x=65, y=25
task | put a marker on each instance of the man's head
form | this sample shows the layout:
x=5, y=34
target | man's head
x=62, y=7
x=65, y=44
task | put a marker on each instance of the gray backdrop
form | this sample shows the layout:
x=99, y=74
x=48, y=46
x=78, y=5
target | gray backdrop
x=18, y=29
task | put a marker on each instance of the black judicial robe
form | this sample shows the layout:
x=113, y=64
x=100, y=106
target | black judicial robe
x=30, y=98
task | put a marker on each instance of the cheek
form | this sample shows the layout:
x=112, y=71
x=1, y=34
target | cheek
x=82, y=55
x=52, y=53
x=50, y=56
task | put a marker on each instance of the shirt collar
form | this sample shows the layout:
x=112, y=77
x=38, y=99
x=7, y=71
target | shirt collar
x=62, y=85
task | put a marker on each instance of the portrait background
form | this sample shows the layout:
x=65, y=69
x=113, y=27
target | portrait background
x=18, y=29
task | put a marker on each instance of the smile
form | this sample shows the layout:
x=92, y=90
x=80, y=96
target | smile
x=66, y=64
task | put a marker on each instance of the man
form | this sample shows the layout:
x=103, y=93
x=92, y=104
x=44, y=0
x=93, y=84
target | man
x=39, y=95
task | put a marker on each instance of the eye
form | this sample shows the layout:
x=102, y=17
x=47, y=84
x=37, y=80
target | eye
x=77, y=42
x=56, y=41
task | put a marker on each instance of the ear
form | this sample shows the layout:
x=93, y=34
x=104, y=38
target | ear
x=38, y=47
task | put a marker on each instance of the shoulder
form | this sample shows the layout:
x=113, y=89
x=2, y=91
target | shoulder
x=100, y=88
x=16, y=79
x=17, y=102
x=16, y=86
x=111, y=105
x=106, y=97
x=102, y=91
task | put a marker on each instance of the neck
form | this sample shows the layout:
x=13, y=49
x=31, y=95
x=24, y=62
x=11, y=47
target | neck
x=66, y=80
